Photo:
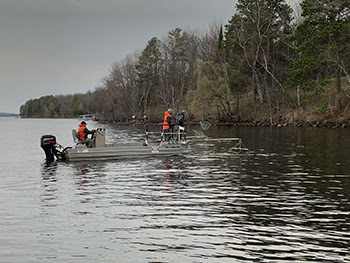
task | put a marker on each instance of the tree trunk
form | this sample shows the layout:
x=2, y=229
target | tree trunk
x=237, y=109
x=270, y=107
x=338, y=95
x=298, y=96
x=255, y=90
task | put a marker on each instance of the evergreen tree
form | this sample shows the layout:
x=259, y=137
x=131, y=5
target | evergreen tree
x=220, y=51
x=177, y=67
x=254, y=39
x=148, y=74
x=322, y=43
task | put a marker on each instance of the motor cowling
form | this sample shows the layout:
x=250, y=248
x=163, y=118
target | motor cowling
x=51, y=148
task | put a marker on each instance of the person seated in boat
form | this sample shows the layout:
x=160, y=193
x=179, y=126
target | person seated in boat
x=167, y=124
x=83, y=133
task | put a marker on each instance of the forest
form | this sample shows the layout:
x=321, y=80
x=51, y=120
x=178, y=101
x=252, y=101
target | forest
x=269, y=65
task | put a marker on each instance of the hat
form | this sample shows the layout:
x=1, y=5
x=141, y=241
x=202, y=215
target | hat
x=170, y=110
x=83, y=122
x=183, y=111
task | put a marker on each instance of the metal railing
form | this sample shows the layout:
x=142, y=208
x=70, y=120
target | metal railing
x=175, y=134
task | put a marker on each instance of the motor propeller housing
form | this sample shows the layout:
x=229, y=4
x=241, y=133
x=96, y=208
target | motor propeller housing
x=51, y=148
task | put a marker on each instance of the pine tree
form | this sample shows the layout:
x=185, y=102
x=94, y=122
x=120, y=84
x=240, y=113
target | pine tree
x=322, y=43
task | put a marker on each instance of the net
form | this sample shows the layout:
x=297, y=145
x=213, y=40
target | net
x=199, y=134
x=205, y=125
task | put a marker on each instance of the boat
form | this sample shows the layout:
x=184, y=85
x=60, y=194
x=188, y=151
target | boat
x=105, y=151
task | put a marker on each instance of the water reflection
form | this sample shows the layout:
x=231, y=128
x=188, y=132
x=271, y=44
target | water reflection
x=285, y=200
x=49, y=180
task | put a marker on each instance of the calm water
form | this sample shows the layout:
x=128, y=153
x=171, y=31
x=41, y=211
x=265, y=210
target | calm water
x=286, y=200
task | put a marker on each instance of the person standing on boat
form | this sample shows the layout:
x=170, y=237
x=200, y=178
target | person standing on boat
x=83, y=133
x=167, y=123
x=180, y=118
x=180, y=121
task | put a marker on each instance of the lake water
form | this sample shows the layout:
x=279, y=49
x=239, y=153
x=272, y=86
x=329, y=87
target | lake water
x=287, y=199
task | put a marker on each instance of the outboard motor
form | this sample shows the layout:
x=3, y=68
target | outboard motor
x=51, y=148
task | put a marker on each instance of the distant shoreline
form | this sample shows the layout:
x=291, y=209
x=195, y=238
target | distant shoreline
x=5, y=114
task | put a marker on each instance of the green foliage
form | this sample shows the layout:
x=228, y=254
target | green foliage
x=76, y=111
x=148, y=69
x=320, y=41
x=323, y=109
x=220, y=50
x=305, y=72
x=212, y=99
x=54, y=106
x=255, y=41
x=47, y=106
x=179, y=57
x=201, y=101
x=77, y=106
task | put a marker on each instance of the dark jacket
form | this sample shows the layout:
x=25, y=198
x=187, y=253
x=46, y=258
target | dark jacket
x=180, y=119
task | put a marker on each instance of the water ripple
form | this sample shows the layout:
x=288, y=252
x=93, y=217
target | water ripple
x=269, y=204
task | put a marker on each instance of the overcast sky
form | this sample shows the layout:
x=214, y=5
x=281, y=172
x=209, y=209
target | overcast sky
x=51, y=47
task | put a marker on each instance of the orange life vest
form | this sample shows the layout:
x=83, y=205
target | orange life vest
x=165, y=123
x=81, y=133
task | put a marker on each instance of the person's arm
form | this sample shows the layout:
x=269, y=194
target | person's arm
x=182, y=119
x=168, y=119
x=87, y=131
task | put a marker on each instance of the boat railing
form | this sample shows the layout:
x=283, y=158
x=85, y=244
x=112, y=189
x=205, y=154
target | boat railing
x=176, y=133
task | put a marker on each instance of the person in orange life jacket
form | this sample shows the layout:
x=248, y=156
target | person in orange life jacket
x=167, y=123
x=83, y=135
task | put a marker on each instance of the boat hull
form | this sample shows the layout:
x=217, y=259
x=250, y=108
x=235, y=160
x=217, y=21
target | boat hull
x=123, y=151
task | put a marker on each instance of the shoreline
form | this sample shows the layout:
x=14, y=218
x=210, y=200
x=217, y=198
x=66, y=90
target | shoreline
x=298, y=124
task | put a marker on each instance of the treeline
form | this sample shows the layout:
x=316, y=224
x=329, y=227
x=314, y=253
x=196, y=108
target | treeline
x=267, y=63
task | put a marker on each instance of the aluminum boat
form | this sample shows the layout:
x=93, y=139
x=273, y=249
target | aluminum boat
x=103, y=151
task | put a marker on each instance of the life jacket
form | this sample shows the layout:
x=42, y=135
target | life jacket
x=81, y=133
x=165, y=123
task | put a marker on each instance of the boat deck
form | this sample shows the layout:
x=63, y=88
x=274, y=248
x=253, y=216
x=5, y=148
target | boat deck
x=123, y=151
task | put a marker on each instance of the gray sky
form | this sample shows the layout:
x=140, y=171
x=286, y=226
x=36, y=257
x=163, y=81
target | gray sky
x=51, y=47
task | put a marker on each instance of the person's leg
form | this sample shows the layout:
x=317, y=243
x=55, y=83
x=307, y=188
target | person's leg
x=89, y=142
x=167, y=135
x=177, y=133
x=182, y=133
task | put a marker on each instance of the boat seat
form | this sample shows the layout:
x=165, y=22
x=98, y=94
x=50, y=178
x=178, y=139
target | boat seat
x=76, y=137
